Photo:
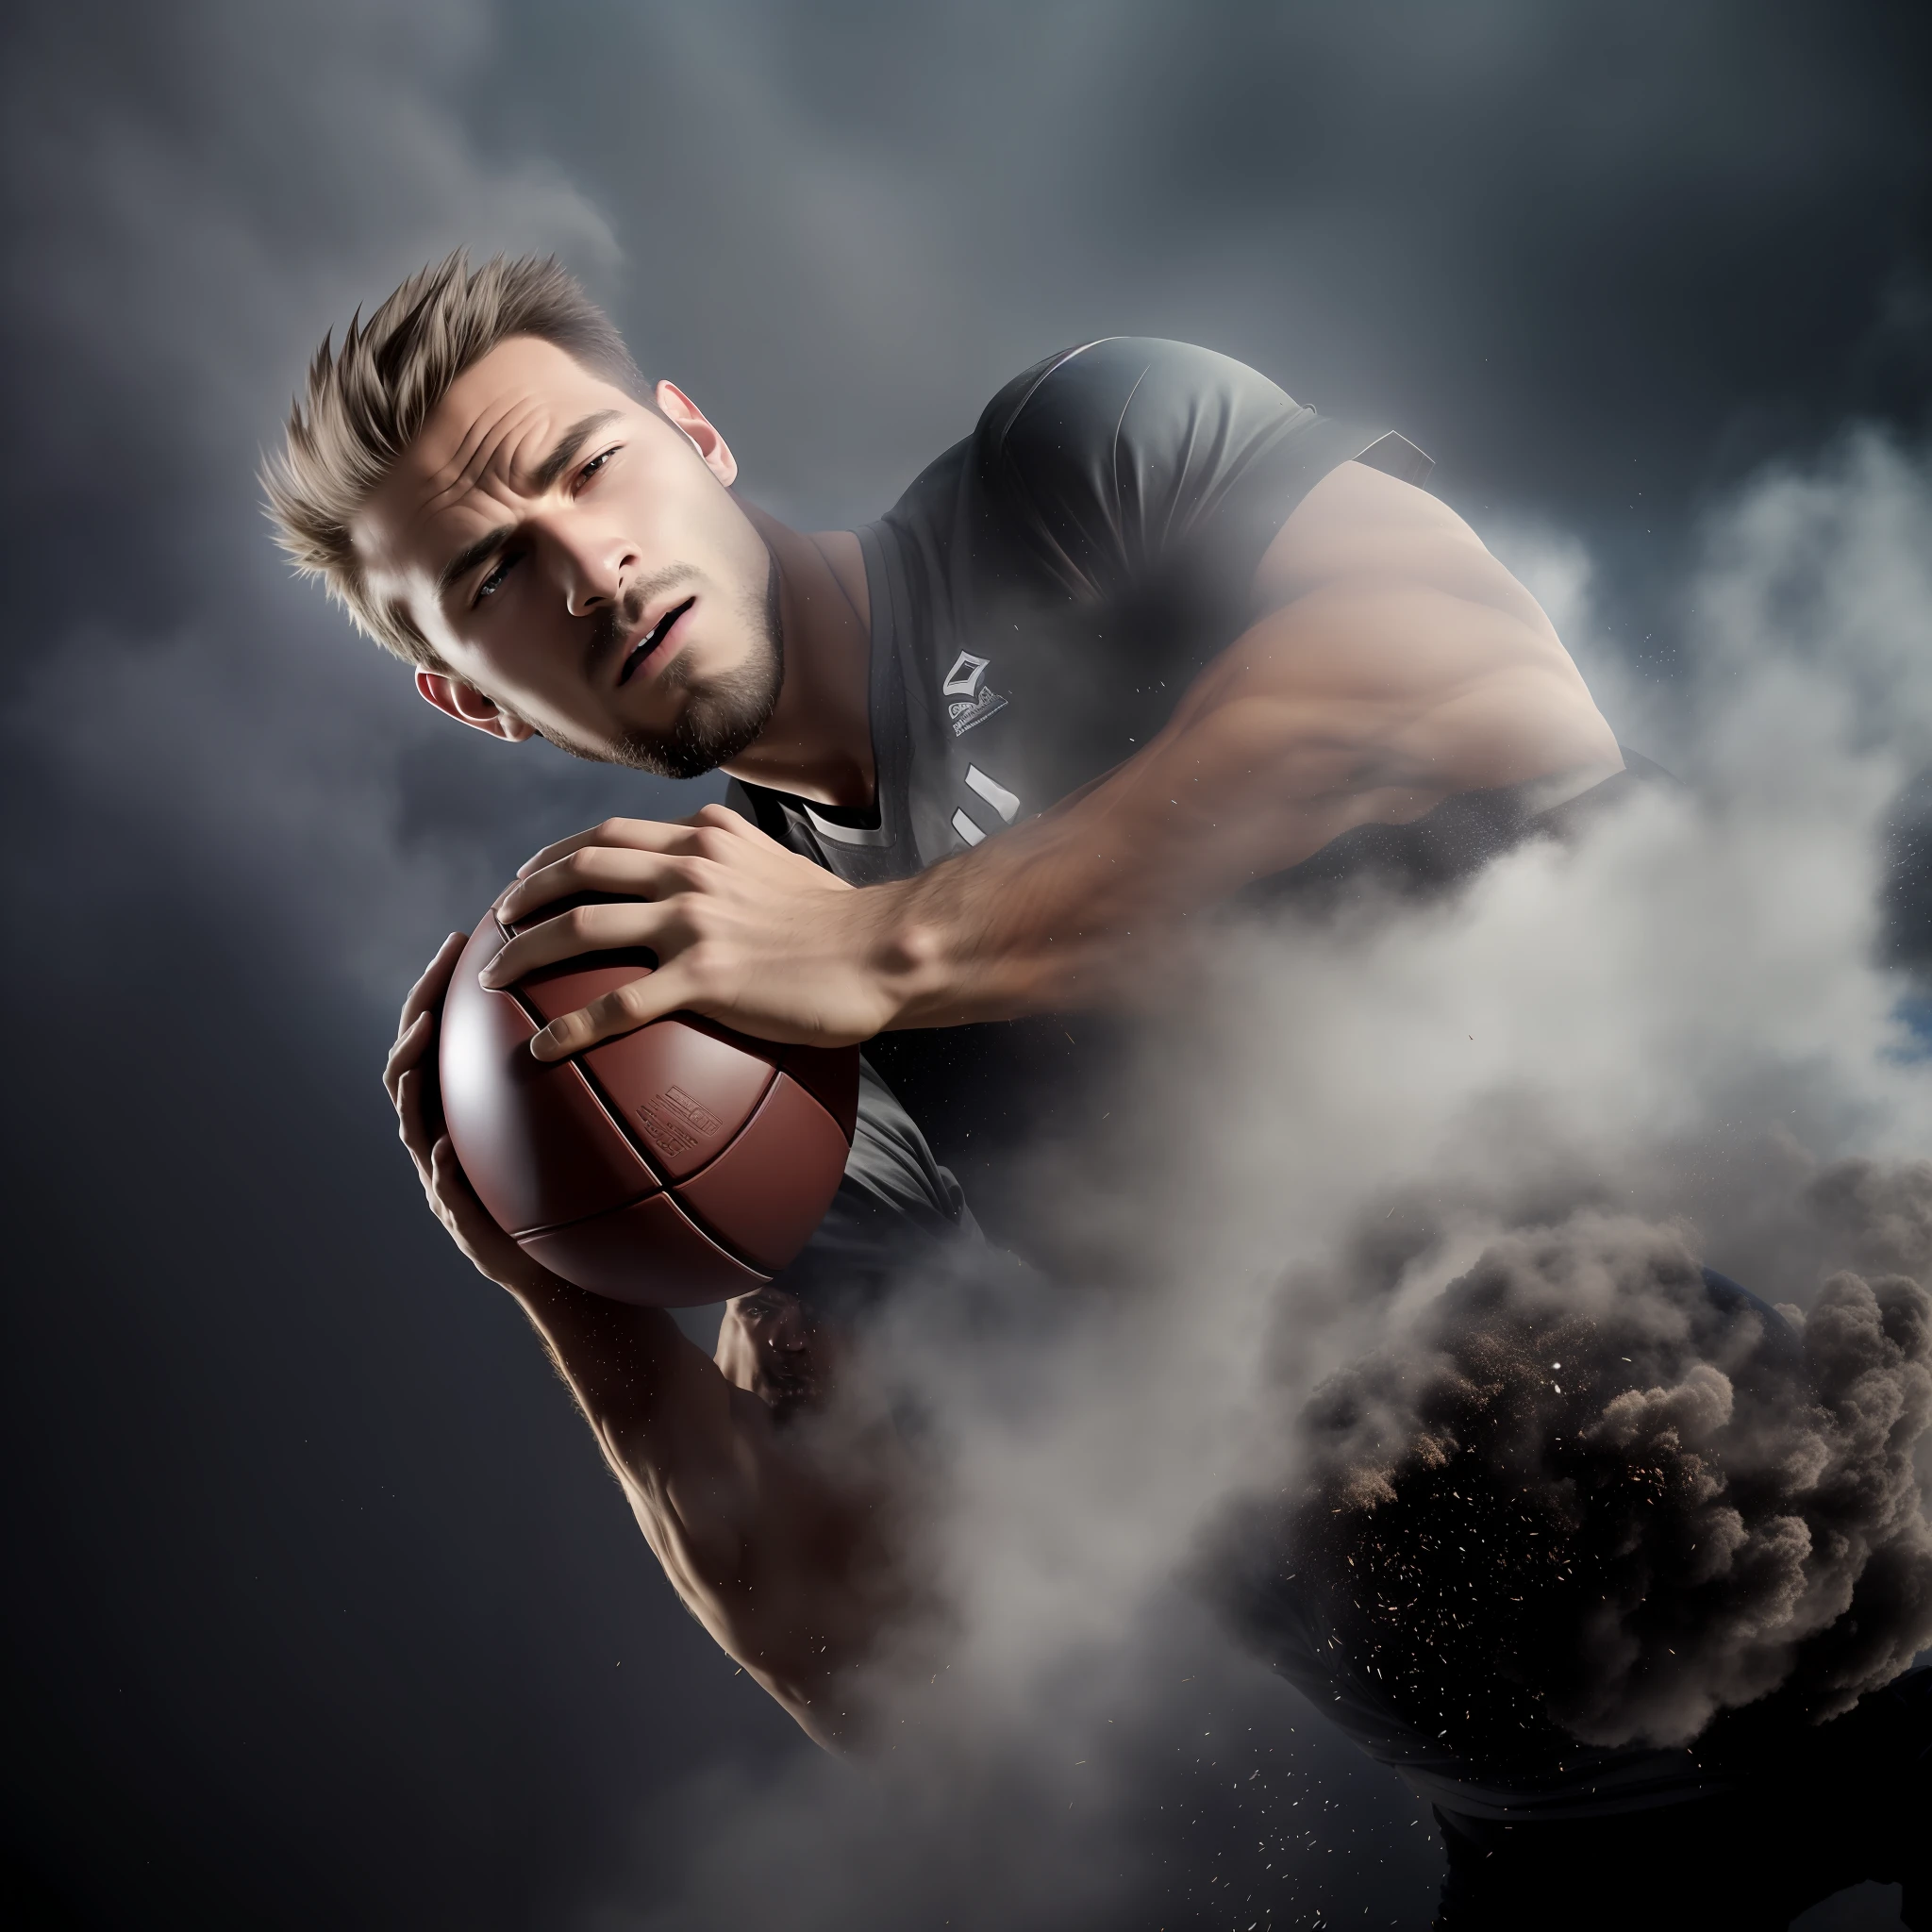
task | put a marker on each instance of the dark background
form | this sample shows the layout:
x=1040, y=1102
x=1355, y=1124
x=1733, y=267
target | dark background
x=320, y=1609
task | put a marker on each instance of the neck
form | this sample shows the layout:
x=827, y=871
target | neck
x=818, y=745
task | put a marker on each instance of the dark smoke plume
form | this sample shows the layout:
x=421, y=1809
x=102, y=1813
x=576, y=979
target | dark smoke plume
x=1590, y=1497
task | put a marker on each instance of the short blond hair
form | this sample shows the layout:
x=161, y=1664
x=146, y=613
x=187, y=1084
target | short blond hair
x=364, y=405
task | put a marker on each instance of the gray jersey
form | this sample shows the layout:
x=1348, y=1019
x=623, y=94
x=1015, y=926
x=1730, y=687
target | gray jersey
x=1040, y=597
x=1042, y=593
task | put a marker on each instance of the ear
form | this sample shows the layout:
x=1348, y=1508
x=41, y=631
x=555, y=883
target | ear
x=682, y=413
x=471, y=707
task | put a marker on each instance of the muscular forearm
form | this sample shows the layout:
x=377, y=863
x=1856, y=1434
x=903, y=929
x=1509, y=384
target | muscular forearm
x=775, y=1563
x=1061, y=914
x=661, y=1417
x=1262, y=766
x=621, y=1362
x=1046, y=919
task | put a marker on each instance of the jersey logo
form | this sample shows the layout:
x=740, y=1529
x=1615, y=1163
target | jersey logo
x=962, y=680
x=973, y=702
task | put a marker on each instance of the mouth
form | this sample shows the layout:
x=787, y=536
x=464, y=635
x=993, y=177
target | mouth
x=653, y=641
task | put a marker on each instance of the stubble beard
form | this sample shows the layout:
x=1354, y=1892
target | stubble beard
x=721, y=716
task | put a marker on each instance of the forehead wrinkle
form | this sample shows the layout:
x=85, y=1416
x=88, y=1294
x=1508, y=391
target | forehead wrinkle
x=476, y=455
x=440, y=489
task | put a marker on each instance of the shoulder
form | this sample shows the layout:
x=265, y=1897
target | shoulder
x=1120, y=457
x=1144, y=390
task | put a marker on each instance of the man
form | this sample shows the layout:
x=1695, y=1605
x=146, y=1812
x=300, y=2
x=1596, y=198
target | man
x=1149, y=567
x=1153, y=636
x=1154, y=633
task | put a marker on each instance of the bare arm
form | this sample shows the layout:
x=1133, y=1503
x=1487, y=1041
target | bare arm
x=1397, y=664
x=782, y=1565
x=1400, y=665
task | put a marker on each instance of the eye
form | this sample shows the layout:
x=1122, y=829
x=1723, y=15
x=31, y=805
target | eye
x=498, y=570
x=596, y=463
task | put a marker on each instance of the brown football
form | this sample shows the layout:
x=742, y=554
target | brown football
x=681, y=1163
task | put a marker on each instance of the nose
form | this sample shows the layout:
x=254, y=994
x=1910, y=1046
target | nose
x=596, y=563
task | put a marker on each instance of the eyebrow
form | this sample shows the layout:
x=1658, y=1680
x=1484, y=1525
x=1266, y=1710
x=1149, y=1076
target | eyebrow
x=541, y=477
x=572, y=439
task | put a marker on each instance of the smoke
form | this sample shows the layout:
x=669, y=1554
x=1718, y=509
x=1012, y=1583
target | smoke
x=1357, y=1197
x=1882, y=1214
x=1583, y=1498
x=315, y=1556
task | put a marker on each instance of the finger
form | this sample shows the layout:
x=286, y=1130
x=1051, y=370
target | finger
x=491, y=1250
x=452, y=1184
x=405, y=1053
x=721, y=818
x=598, y=869
x=587, y=929
x=455, y=1201
x=428, y=991
x=415, y=1121
x=623, y=1009
x=638, y=835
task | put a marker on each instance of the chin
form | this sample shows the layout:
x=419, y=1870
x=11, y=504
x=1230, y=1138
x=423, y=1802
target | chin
x=721, y=716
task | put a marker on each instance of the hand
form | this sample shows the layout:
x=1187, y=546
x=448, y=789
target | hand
x=744, y=931
x=409, y=1078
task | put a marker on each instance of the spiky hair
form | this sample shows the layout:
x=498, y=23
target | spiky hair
x=364, y=403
